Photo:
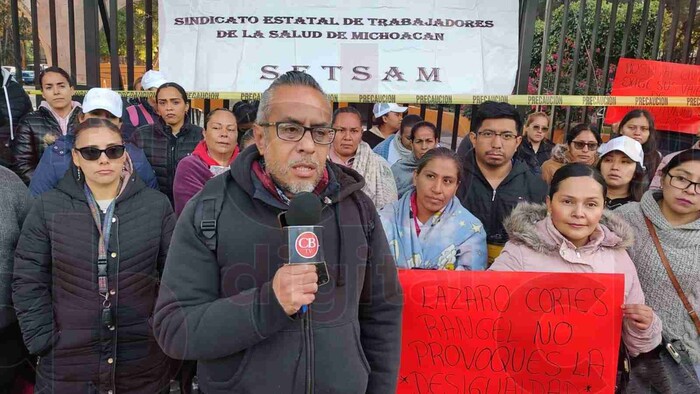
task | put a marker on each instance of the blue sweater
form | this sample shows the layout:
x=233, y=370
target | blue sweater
x=57, y=158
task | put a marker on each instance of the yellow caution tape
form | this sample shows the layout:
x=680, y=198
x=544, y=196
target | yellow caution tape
x=468, y=99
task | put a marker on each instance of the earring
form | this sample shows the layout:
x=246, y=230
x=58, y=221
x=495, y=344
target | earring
x=79, y=173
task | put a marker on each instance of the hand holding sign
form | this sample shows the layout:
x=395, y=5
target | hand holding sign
x=294, y=286
x=640, y=315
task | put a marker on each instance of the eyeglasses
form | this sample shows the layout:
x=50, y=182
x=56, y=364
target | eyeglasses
x=540, y=128
x=505, y=136
x=294, y=132
x=91, y=153
x=681, y=183
x=580, y=145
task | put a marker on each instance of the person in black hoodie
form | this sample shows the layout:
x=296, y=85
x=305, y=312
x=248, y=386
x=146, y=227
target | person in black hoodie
x=86, y=273
x=14, y=105
x=237, y=309
x=493, y=182
x=56, y=116
x=171, y=138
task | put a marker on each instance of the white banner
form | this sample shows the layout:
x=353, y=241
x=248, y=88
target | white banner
x=374, y=47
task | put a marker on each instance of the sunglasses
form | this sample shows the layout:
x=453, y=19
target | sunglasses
x=580, y=145
x=91, y=153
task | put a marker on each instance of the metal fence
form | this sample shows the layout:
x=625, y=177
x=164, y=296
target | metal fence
x=566, y=47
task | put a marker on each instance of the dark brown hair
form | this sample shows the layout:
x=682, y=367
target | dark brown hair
x=57, y=70
x=440, y=153
x=95, y=123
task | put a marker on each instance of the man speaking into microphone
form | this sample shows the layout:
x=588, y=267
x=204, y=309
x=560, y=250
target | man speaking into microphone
x=275, y=292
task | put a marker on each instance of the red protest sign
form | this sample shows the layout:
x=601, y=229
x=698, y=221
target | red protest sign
x=509, y=332
x=651, y=78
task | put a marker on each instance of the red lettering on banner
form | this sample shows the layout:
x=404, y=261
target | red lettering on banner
x=509, y=332
x=307, y=245
x=651, y=78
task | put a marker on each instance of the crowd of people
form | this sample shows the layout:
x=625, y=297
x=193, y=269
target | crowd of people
x=135, y=242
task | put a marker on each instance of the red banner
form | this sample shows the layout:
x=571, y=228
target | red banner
x=650, y=78
x=510, y=332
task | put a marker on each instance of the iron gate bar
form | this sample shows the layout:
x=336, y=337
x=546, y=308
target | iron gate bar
x=71, y=40
x=689, y=31
x=227, y=104
x=116, y=76
x=438, y=123
x=207, y=107
x=643, y=30
x=608, y=47
x=423, y=110
x=130, y=44
x=149, y=34
x=577, y=45
x=671, y=43
x=527, y=33
x=35, y=47
x=657, y=30
x=590, y=55
x=54, y=35
x=14, y=10
x=628, y=21
x=92, y=43
x=455, y=126
x=545, y=46
x=560, y=51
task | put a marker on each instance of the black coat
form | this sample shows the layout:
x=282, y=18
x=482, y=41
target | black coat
x=14, y=104
x=526, y=154
x=220, y=308
x=492, y=206
x=29, y=143
x=165, y=150
x=56, y=296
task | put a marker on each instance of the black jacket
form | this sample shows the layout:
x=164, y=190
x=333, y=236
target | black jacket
x=371, y=138
x=165, y=150
x=56, y=295
x=220, y=308
x=14, y=104
x=29, y=143
x=492, y=206
x=526, y=154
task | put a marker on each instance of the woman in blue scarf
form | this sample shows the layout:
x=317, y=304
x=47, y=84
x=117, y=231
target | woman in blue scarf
x=428, y=228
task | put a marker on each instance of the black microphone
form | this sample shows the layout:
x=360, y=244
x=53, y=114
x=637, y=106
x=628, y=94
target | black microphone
x=303, y=233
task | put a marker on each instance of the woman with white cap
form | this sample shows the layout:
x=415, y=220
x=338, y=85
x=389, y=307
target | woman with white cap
x=387, y=121
x=98, y=103
x=622, y=166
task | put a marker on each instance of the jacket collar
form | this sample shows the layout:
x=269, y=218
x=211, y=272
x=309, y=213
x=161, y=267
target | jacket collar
x=472, y=168
x=342, y=181
x=530, y=225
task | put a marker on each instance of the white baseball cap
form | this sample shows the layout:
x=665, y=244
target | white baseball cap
x=381, y=109
x=101, y=98
x=630, y=147
x=153, y=79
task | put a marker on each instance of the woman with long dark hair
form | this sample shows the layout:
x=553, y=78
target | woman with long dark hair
x=671, y=216
x=172, y=138
x=639, y=125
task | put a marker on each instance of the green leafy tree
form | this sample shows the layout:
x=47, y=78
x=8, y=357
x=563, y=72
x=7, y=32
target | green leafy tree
x=140, y=18
x=7, y=36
